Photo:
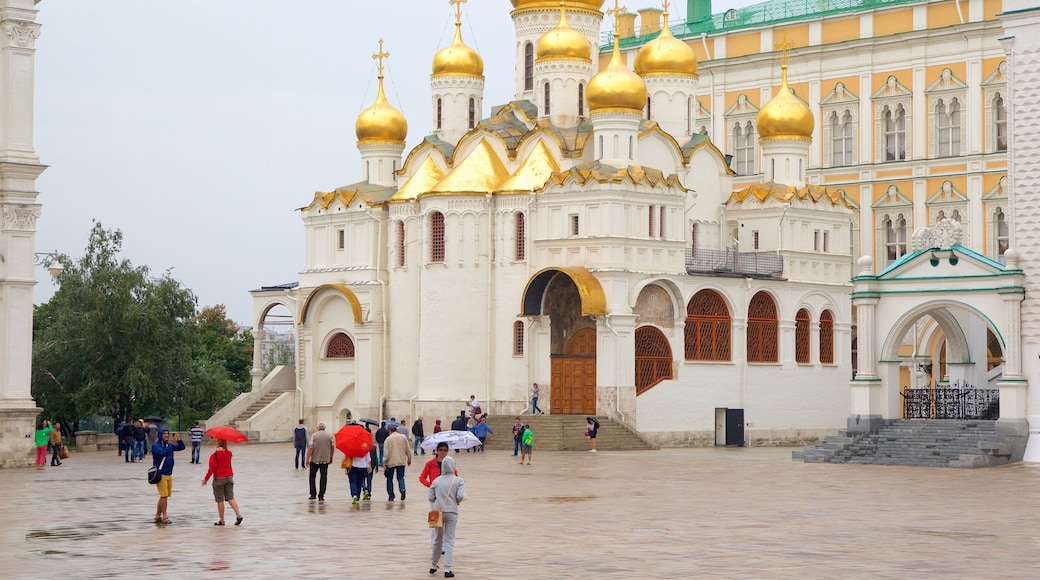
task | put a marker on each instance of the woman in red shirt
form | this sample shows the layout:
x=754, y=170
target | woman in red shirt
x=223, y=482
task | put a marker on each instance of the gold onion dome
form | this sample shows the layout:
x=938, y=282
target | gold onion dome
x=616, y=87
x=666, y=55
x=381, y=122
x=785, y=115
x=457, y=58
x=563, y=42
x=591, y=4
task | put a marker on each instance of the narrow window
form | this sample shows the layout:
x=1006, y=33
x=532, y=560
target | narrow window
x=518, y=338
x=754, y=240
x=802, y=333
x=816, y=241
x=436, y=237
x=472, y=112
x=521, y=238
x=660, y=222
x=744, y=148
x=1001, y=122
x=648, y=108
x=693, y=237
x=827, y=338
x=842, y=137
x=650, y=222
x=581, y=99
x=545, y=100
x=826, y=241
x=574, y=224
x=342, y=238
x=1002, y=232
x=528, y=67
x=400, y=243
x=438, y=113
x=895, y=133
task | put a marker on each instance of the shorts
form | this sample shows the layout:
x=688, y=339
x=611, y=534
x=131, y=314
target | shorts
x=525, y=449
x=165, y=486
x=223, y=489
x=592, y=434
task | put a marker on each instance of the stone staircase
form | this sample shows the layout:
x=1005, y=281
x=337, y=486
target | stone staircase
x=919, y=442
x=257, y=406
x=567, y=433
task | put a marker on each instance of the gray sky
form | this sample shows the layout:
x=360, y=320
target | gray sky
x=199, y=127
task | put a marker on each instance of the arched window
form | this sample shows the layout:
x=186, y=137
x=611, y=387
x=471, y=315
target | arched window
x=653, y=358
x=436, y=237
x=948, y=127
x=545, y=100
x=340, y=347
x=802, y=336
x=827, y=337
x=438, y=113
x=744, y=148
x=895, y=238
x=762, y=329
x=842, y=138
x=521, y=238
x=400, y=243
x=528, y=67
x=581, y=99
x=895, y=133
x=707, y=332
x=1002, y=232
x=1000, y=120
x=518, y=338
x=472, y=112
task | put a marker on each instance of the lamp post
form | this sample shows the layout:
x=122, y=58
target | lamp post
x=50, y=261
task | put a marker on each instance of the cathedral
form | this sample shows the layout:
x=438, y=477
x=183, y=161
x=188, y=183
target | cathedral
x=586, y=236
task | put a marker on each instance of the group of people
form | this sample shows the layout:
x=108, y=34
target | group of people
x=135, y=439
x=48, y=437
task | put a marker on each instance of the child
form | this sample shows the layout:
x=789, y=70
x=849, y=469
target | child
x=526, y=443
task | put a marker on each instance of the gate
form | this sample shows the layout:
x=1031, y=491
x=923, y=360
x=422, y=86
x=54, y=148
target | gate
x=957, y=401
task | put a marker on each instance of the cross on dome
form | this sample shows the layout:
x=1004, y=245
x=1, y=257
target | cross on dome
x=379, y=56
x=616, y=11
x=783, y=46
x=458, y=9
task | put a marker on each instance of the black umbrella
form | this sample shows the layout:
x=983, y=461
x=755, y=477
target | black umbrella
x=154, y=419
x=368, y=421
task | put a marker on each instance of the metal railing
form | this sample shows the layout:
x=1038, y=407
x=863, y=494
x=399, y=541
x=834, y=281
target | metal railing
x=958, y=401
x=756, y=264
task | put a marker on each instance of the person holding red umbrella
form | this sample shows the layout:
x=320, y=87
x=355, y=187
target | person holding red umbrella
x=223, y=482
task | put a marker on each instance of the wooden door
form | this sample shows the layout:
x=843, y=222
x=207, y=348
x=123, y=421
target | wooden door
x=574, y=376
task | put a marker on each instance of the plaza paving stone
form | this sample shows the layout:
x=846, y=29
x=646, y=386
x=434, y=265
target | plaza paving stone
x=673, y=513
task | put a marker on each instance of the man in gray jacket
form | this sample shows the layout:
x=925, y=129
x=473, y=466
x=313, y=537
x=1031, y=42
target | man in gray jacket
x=396, y=455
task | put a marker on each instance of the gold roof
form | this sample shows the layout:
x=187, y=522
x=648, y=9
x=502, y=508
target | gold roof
x=587, y=4
x=381, y=122
x=666, y=55
x=563, y=42
x=601, y=173
x=457, y=58
x=428, y=175
x=368, y=193
x=533, y=173
x=616, y=87
x=593, y=298
x=479, y=173
x=815, y=194
x=785, y=116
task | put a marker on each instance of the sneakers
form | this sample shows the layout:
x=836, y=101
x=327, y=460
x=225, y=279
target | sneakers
x=354, y=500
x=449, y=574
x=592, y=450
x=366, y=496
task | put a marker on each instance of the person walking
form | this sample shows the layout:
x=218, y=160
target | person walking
x=417, y=436
x=590, y=432
x=398, y=455
x=518, y=432
x=140, y=439
x=300, y=443
x=459, y=424
x=526, y=444
x=474, y=405
x=129, y=435
x=446, y=493
x=153, y=435
x=162, y=455
x=319, y=455
x=534, y=400
x=43, y=433
x=223, y=482
x=196, y=442
x=54, y=439
x=482, y=430
x=437, y=426
x=381, y=434
x=360, y=467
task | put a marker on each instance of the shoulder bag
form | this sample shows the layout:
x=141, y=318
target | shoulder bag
x=435, y=518
x=155, y=472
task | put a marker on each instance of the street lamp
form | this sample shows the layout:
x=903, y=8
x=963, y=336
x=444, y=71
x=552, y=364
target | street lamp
x=50, y=261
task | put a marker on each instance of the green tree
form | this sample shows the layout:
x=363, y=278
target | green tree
x=113, y=340
x=221, y=360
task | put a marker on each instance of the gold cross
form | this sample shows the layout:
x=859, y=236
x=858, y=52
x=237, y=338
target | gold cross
x=379, y=56
x=616, y=11
x=783, y=46
x=664, y=5
x=458, y=8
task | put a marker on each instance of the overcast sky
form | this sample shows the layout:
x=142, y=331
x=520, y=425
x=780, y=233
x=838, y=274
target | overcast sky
x=199, y=127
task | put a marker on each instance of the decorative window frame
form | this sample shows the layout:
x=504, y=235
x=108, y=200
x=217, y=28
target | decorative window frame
x=994, y=201
x=438, y=244
x=892, y=94
x=741, y=113
x=893, y=204
x=701, y=119
x=350, y=352
x=519, y=333
x=995, y=84
x=944, y=202
x=945, y=89
x=838, y=101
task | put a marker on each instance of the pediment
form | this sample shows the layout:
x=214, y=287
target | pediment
x=839, y=95
x=940, y=265
x=742, y=107
x=998, y=77
x=947, y=194
x=947, y=81
x=892, y=89
x=999, y=191
x=892, y=198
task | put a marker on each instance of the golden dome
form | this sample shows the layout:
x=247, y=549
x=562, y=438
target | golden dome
x=457, y=58
x=563, y=42
x=591, y=4
x=785, y=115
x=616, y=87
x=381, y=122
x=666, y=55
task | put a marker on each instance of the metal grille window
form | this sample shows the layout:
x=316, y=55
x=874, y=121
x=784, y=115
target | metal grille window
x=762, y=329
x=340, y=347
x=472, y=112
x=545, y=100
x=518, y=338
x=650, y=222
x=707, y=332
x=581, y=99
x=528, y=67
x=341, y=236
x=400, y=243
x=653, y=358
x=826, y=337
x=521, y=237
x=436, y=237
x=438, y=113
x=802, y=323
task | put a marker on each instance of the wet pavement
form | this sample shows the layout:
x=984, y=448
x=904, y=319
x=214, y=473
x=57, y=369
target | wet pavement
x=674, y=513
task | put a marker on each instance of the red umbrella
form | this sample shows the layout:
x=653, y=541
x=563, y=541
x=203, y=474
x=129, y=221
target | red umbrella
x=227, y=433
x=354, y=441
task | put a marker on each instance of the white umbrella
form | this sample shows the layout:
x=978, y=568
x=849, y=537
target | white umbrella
x=454, y=439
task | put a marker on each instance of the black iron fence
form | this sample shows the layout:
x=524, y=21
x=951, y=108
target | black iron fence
x=703, y=261
x=959, y=400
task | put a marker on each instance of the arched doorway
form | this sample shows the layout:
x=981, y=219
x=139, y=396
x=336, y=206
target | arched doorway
x=574, y=376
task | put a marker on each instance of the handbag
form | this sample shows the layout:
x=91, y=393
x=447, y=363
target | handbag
x=64, y=453
x=155, y=472
x=435, y=519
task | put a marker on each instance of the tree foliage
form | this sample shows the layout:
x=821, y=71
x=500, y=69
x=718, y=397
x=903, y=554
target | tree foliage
x=116, y=341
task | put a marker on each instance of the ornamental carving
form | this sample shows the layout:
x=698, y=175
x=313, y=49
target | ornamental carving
x=23, y=34
x=21, y=217
x=945, y=235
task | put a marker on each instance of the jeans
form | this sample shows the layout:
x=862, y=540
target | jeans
x=534, y=406
x=301, y=454
x=380, y=446
x=128, y=451
x=368, y=481
x=55, y=452
x=139, y=450
x=390, y=480
x=324, y=469
x=196, y=451
x=357, y=477
x=516, y=446
x=416, y=444
x=482, y=441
